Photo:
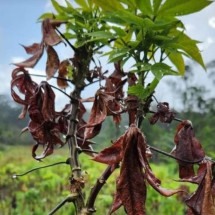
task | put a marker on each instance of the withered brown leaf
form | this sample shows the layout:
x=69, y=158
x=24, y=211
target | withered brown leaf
x=62, y=74
x=164, y=114
x=37, y=51
x=52, y=63
x=50, y=37
x=111, y=155
x=131, y=150
x=98, y=114
x=188, y=148
x=202, y=202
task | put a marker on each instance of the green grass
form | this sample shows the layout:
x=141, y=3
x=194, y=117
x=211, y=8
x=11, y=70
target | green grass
x=39, y=192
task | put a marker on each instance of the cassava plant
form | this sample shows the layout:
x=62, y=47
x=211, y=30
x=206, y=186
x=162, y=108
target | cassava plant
x=145, y=41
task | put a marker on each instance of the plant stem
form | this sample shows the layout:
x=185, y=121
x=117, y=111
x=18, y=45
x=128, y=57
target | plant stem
x=71, y=136
x=96, y=189
x=37, y=168
x=70, y=198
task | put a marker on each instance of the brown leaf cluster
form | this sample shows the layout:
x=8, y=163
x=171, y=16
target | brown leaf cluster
x=188, y=148
x=164, y=114
x=130, y=150
x=107, y=102
x=38, y=100
x=49, y=39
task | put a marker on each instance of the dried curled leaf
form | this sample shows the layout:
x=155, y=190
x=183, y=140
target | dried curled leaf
x=188, y=148
x=131, y=150
x=52, y=63
x=37, y=51
x=98, y=114
x=50, y=37
x=62, y=74
x=32, y=49
x=203, y=200
x=164, y=114
x=111, y=155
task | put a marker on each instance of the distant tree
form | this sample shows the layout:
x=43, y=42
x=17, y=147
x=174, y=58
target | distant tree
x=137, y=37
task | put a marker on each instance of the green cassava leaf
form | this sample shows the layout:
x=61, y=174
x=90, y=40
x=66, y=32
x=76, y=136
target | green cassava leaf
x=141, y=92
x=177, y=60
x=57, y=6
x=137, y=90
x=182, y=7
x=161, y=69
x=117, y=54
x=127, y=17
x=46, y=16
x=144, y=6
x=109, y=6
x=100, y=34
x=83, y=4
x=70, y=36
x=119, y=31
x=131, y=3
x=156, y=5
x=188, y=45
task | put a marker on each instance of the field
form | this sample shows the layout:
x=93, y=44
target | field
x=39, y=192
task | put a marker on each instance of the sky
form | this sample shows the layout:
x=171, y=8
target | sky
x=18, y=25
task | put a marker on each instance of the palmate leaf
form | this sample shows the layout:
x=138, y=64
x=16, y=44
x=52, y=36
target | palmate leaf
x=144, y=6
x=83, y=4
x=161, y=69
x=59, y=8
x=141, y=92
x=156, y=5
x=184, y=43
x=177, y=59
x=182, y=7
x=109, y=6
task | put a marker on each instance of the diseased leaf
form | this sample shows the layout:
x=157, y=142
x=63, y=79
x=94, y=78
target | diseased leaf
x=187, y=148
x=111, y=155
x=131, y=188
x=45, y=125
x=22, y=81
x=48, y=105
x=98, y=114
x=163, y=113
x=114, y=87
x=63, y=73
x=131, y=150
x=50, y=37
x=32, y=49
x=202, y=201
x=52, y=63
x=37, y=51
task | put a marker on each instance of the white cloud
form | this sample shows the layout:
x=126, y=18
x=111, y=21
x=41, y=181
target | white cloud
x=211, y=22
x=207, y=43
x=189, y=27
x=17, y=59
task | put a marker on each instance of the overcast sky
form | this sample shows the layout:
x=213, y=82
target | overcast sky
x=18, y=25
